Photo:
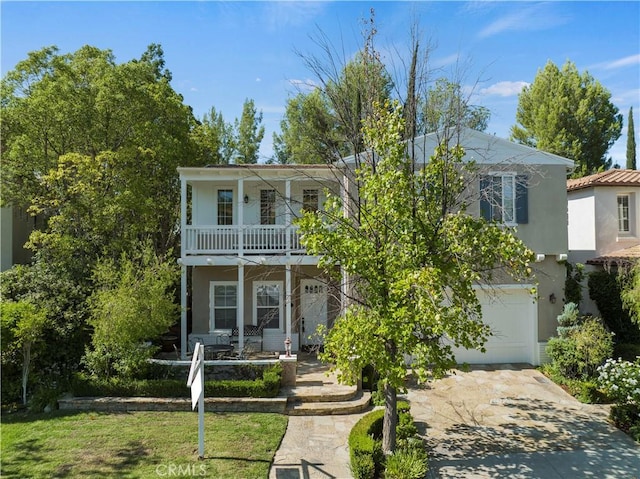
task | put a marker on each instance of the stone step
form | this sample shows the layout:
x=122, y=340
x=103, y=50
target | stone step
x=316, y=394
x=357, y=404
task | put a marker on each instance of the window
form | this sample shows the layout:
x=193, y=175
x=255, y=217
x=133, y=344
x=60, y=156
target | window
x=309, y=200
x=225, y=207
x=504, y=198
x=267, y=207
x=623, y=214
x=224, y=305
x=268, y=304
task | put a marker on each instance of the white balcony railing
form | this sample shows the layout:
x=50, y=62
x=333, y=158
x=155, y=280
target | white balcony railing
x=245, y=239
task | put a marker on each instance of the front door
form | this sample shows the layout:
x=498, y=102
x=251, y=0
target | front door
x=313, y=306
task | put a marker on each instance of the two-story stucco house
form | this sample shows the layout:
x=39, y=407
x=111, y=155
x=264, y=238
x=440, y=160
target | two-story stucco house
x=604, y=221
x=246, y=268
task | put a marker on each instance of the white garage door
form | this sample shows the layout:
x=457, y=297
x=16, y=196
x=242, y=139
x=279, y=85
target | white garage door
x=512, y=315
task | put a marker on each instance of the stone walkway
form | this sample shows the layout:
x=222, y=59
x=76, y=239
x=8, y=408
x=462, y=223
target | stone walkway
x=494, y=422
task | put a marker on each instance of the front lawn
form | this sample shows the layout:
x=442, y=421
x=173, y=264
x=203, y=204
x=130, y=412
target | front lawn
x=138, y=444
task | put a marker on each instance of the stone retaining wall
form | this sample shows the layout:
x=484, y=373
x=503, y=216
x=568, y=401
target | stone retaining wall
x=114, y=404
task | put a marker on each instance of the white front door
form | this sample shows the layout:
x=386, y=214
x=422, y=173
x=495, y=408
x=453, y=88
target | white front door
x=313, y=310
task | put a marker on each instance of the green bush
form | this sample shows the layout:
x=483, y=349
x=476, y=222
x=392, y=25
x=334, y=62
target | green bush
x=627, y=418
x=604, y=289
x=627, y=351
x=582, y=344
x=268, y=386
x=406, y=464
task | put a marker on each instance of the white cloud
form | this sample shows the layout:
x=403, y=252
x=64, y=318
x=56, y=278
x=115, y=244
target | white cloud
x=540, y=16
x=258, y=80
x=619, y=63
x=282, y=14
x=504, y=88
x=303, y=85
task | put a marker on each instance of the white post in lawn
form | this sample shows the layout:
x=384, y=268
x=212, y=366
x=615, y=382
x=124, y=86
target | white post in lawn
x=196, y=383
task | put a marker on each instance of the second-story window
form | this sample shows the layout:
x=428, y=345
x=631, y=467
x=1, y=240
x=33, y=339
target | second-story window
x=623, y=214
x=225, y=207
x=309, y=200
x=267, y=207
x=504, y=198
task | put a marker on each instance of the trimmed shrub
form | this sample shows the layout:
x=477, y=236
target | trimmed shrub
x=406, y=464
x=627, y=351
x=604, y=289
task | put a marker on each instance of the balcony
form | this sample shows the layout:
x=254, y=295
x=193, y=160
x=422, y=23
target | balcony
x=241, y=240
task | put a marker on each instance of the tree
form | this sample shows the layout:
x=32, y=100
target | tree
x=411, y=256
x=22, y=326
x=214, y=138
x=630, y=292
x=249, y=133
x=445, y=106
x=569, y=114
x=132, y=303
x=631, y=142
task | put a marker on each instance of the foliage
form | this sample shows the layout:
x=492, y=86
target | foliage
x=365, y=446
x=22, y=326
x=621, y=381
x=249, y=133
x=628, y=351
x=582, y=344
x=412, y=256
x=630, y=293
x=445, y=106
x=132, y=303
x=631, y=142
x=406, y=464
x=604, y=289
x=139, y=444
x=573, y=283
x=570, y=114
x=215, y=139
x=266, y=386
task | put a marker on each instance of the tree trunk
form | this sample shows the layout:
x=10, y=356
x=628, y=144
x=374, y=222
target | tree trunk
x=390, y=420
x=26, y=352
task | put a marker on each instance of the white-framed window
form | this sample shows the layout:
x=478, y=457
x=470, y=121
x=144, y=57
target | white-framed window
x=310, y=200
x=267, y=207
x=223, y=304
x=624, y=224
x=504, y=198
x=268, y=301
x=225, y=207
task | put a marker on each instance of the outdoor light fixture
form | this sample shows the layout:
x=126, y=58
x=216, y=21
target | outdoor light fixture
x=246, y=199
x=287, y=347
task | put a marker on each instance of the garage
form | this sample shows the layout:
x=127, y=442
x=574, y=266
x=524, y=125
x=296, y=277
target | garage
x=511, y=313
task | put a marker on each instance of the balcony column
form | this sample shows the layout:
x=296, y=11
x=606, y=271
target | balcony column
x=240, y=315
x=240, y=204
x=287, y=309
x=287, y=218
x=183, y=269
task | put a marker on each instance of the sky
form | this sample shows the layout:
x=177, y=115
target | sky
x=221, y=53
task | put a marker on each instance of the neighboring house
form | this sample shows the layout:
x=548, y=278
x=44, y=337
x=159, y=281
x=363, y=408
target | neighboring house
x=604, y=221
x=15, y=227
x=246, y=267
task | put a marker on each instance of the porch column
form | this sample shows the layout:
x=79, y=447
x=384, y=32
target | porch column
x=183, y=310
x=240, y=316
x=287, y=301
x=183, y=269
x=240, y=204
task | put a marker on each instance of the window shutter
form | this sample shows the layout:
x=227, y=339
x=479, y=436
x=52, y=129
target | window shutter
x=522, y=200
x=485, y=197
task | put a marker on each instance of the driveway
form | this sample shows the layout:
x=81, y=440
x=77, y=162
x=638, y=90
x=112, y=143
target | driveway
x=512, y=422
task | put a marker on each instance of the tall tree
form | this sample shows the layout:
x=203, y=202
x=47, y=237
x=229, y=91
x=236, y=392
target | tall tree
x=249, y=133
x=569, y=114
x=412, y=256
x=214, y=138
x=631, y=142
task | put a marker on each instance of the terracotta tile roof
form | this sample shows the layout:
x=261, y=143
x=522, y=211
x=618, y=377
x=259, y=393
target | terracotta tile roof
x=612, y=177
x=619, y=257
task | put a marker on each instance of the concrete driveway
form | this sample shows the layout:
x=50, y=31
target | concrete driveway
x=512, y=422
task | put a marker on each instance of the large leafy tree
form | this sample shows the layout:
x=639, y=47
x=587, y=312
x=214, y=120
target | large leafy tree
x=214, y=139
x=631, y=142
x=87, y=141
x=570, y=114
x=412, y=256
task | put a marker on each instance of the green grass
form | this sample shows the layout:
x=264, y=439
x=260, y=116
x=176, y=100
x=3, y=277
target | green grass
x=138, y=445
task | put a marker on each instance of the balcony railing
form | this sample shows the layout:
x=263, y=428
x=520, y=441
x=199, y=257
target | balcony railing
x=245, y=239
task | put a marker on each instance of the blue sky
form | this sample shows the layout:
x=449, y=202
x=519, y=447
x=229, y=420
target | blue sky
x=223, y=52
